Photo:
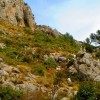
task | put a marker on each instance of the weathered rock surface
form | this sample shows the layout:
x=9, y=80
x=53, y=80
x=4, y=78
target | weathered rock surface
x=48, y=30
x=86, y=65
x=17, y=13
x=11, y=76
x=57, y=58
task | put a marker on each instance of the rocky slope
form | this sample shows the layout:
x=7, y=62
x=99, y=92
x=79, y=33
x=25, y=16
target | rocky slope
x=29, y=60
x=16, y=12
x=86, y=65
x=37, y=57
x=11, y=76
x=48, y=30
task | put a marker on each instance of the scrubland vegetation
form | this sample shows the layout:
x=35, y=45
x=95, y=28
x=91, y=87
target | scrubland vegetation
x=25, y=47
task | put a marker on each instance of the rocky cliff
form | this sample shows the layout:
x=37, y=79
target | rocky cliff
x=16, y=12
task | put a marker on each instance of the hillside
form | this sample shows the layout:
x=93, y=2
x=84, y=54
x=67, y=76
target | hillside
x=32, y=52
x=19, y=41
x=40, y=63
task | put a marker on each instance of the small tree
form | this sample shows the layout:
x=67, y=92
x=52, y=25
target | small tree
x=88, y=41
x=95, y=37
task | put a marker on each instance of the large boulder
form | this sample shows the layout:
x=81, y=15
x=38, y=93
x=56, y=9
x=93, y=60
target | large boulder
x=17, y=13
x=58, y=58
x=62, y=59
x=26, y=87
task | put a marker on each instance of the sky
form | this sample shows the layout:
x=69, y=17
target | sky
x=80, y=18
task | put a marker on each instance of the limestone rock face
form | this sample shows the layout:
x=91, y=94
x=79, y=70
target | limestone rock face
x=17, y=13
x=87, y=65
x=28, y=17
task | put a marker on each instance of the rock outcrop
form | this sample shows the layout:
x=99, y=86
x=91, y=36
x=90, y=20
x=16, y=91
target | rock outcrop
x=86, y=65
x=17, y=13
x=48, y=30
x=11, y=76
x=57, y=58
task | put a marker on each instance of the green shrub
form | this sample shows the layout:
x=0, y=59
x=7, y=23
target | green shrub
x=70, y=39
x=1, y=50
x=51, y=63
x=97, y=87
x=58, y=78
x=25, y=58
x=88, y=47
x=77, y=76
x=86, y=91
x=98, y=54
x=28, y=31
x=36, y=55
x=8, y=42
x=71, y=61
x=1, y=33
x=12, y=54
x=39, y=70
x=7, y=93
